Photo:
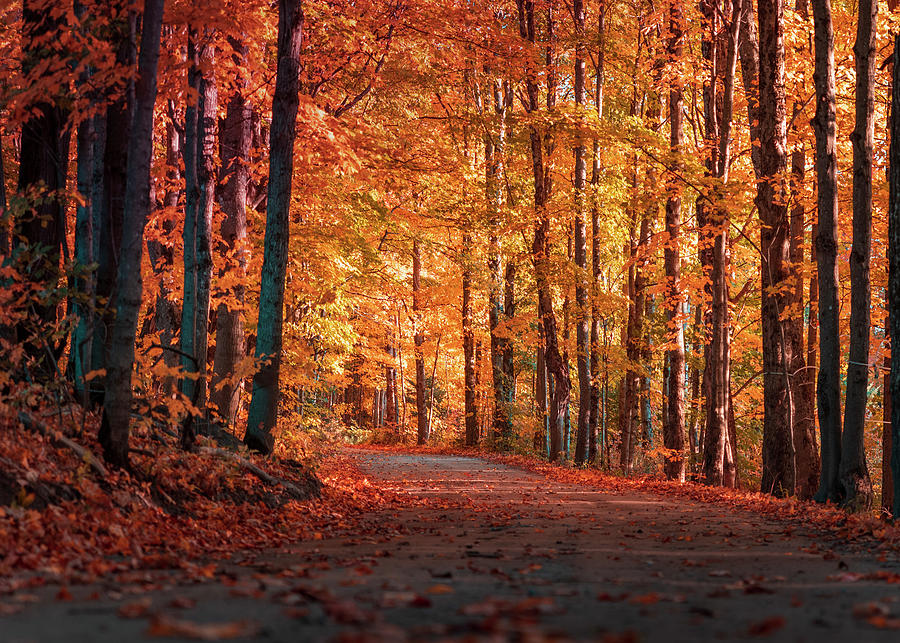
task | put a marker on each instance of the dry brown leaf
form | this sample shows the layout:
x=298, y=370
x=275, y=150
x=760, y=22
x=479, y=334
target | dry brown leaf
x=164, y=626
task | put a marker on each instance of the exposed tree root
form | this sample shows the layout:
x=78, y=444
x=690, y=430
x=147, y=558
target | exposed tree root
x=311, y=488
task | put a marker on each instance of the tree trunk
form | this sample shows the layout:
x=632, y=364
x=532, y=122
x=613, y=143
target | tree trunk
x=828, y=385
x=853, y=472
x=887, y=474
x=778, y=468
x=192, y=135
x=802, y=387
x=391, y=415
x=509, y=311
x=234, y=147
x=468, y=346
x=437, y=353
x=110, y=211
x=200, y=144
x=542, y=437
x=582, y=280
x=421, y=410
x=494, y=150
x=673, y=419
x=721, y=49
x=596, y=411
x=263, y=413
x=114, y=429
x=893, y=290
x=541, y=151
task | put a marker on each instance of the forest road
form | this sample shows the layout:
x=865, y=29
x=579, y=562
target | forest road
x=499, y=554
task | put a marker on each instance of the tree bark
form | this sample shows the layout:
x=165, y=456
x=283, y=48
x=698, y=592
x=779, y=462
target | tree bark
x=114, y=430
x=853, y=472
x=778, y=467
x=391, y=411
x=582, y=280
x=803, y=389
x=468, y=346
x=541, y=152
x=419, y=339
x=494, y=150
x=263, y=413
x=828, y=385
x=893, y=290
x=748, y=52
x=721, y=49
x=110, y=211
x=673, y=420
x=596, y=412
x=234, y=146
x=200, y=144
x=887, y=473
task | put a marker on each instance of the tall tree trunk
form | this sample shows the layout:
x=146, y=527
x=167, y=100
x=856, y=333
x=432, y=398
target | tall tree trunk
x=778, y=467
x=853, y=471
x=541, y=151
x=391, y=414
x=596, y=411
x=828, y=385
x=437, y=349
x=110, y=211
x=803, y=389
x=263, y=413
x=200, y=164
x=114, y=429
x=582, y=281
x=494, y=150
x=421, y=410
x=748, y=52
x=542, y=436
x=468, y=346
x=893, y=290
x=192, y=134
x=720, y=49
x=509, y=311
x=234, y=147
x=887, y=473
x=673, y=421
x=207, y=124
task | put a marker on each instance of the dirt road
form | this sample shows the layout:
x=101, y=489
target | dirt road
x=501, y=554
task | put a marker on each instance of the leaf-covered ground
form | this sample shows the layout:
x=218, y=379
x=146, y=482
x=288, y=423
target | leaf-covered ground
x=419, y=546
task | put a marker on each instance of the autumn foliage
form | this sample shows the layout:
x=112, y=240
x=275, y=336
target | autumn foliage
x=636, y=236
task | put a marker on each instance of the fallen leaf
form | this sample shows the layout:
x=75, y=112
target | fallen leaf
x=164, y=626
x=766, y=627
x=135, y=609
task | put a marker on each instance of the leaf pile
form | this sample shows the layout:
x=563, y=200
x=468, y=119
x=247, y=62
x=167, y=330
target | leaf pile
x=62, y=521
